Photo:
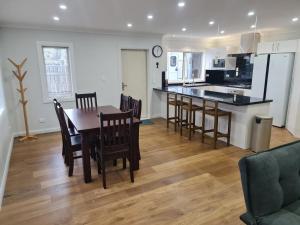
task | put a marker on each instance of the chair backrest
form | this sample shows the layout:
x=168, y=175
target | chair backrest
x=86, y=101
x=184, y=100
x=55, y=102
x=171, y=97
x=63, y=125
x=271, y=179
x=125, y=103
x=211, y=105
x=136, y=107
x=116, y=131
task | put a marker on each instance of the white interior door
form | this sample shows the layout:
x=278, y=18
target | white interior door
x=134, y=76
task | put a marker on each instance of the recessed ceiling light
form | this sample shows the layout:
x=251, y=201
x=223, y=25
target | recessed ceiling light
x=129, y=24
x=253, y=26
x=295, y=19
x=56, y=18
x=63, y=7
x=181, y=4
x=183, y=29
x=150, y=17
x=222, y=31
x=251, y=13
x=211, y=22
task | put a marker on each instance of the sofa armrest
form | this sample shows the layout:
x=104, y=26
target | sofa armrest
x=248, y=219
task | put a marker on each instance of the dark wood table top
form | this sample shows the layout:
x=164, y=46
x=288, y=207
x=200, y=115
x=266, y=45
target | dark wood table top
x=86, y=120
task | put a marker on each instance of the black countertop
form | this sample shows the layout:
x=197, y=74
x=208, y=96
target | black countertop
x=226, y=98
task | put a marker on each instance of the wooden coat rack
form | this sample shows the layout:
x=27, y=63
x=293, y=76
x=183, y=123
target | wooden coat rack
x=20, y=76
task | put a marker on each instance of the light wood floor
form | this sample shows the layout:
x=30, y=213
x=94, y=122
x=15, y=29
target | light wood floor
x=180, y=182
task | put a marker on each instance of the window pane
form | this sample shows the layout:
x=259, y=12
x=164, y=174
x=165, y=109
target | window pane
x=175, y=63
x=192, y=65
x=57, y=70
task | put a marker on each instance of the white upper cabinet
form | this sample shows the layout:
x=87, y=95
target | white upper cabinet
x=265, y=47
x=277, y=47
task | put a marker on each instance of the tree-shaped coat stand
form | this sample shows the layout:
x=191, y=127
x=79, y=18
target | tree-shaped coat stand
x=20, y=76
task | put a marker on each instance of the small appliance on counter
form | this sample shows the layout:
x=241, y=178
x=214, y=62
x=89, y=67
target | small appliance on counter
x=164, y=81
x=228, y=63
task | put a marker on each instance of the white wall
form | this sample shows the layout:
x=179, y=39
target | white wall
x=97, y=60
x=6, y=139
x=293, y=115
x=230, y=42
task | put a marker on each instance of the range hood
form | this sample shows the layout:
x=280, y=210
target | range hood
x=249, y=42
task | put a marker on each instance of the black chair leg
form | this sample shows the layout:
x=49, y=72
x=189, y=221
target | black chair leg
x=124, y=163
x=103, y=174
x=131, y=171
x=93, y=152
x=71, y=163
x=98, y=164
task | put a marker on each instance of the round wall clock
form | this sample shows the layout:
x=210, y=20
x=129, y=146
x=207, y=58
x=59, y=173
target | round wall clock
x=157, y=51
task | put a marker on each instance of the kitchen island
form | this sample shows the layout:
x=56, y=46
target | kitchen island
x=243, y=108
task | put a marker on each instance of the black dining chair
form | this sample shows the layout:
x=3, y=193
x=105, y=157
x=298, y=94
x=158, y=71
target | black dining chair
x=72, y=144
x=86, y=101
x=71, y=130
x=115, y=141
x=125, y=103
x=136, y=107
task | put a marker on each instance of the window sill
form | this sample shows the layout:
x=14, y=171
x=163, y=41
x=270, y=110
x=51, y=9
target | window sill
x=47, y=101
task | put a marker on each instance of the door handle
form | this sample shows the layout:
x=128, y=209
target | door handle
x=123, y=86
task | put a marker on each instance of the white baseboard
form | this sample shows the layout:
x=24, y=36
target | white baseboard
x=5, y=172
x=41, y=131
x=154, y=116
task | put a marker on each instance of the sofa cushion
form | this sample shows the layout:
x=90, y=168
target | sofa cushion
x=271, y=179
x=282, y=217
x=289, y=215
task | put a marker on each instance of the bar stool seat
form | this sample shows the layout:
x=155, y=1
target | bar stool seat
x=214, y=111
x=220, y=112
x=186, y=106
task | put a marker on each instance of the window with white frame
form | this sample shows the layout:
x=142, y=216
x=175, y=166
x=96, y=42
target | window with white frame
x=56, y=71
x=185, y=67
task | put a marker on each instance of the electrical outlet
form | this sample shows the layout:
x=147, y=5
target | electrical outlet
x=42, y=120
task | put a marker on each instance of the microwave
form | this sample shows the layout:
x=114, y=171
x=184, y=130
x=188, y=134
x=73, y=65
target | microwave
x=228, y=63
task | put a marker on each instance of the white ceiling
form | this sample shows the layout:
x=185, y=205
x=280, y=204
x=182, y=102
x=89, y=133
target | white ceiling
x=113, y=15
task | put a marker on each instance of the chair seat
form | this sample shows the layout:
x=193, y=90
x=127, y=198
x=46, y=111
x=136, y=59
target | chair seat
x=220, y=112
x=290, y=215
x=178, y=102
x=73, y=132
x=76, y=141
x=194, y=107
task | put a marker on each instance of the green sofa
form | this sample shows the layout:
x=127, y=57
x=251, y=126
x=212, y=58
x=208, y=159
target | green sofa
x=271, y=186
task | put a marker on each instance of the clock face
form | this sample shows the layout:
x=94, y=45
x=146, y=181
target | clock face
x=157, y=51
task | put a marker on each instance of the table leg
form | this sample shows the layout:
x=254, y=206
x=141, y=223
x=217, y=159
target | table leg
x=86, y=157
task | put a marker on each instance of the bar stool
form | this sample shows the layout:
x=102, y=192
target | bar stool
x=190, y=121
x=210, y=108
x=172, y=100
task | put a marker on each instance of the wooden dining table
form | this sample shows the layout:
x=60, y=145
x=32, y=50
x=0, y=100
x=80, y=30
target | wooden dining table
x=87, y=123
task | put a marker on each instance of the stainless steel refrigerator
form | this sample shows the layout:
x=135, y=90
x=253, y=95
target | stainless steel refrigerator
x=272, y=77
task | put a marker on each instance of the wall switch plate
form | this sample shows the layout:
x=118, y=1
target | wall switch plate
x=42, y=120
